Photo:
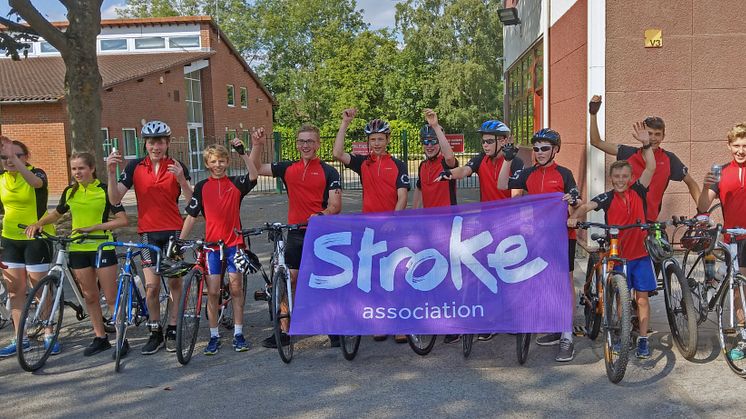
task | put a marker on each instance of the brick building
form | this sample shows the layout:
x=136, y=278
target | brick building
x=181, y=70
x=565, y=51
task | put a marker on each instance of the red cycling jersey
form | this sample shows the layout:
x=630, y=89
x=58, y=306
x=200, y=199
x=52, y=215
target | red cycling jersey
x=732, y=193
x=220, y=202
x=157, y=194
x=435, y=193
x=625, y=208
x=668, y=167
x=308, y=187
x=488, y=168
x=382, y=177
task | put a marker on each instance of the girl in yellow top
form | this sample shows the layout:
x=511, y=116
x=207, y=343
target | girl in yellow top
x=89, y=206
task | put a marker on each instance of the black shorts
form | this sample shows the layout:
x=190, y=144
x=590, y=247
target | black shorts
x=294, y=248
x=26, y=253
x=571, y=253
x=156, y=238
x=82, y=260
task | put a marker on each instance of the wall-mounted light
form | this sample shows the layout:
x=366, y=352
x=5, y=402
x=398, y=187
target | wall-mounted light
x=509, y=16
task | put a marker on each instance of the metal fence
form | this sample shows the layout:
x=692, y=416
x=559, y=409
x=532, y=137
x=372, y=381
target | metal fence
x=406, y=148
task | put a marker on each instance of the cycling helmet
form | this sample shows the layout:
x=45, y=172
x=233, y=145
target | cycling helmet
x=156, y=129
x=247, y=261
x=493, y=126
x=171, y=268
x=699, y=238
x=658, y=249
x=377, y=126
x=549, y=135
x=427, y=132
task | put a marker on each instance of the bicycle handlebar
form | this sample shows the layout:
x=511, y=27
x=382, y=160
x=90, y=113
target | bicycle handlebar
x=185, y=244
x=269, y=227
x=43, y=235
x=643, y=226
x=154, y=249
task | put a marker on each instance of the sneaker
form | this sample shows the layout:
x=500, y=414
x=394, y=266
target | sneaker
x=549, y=340
x=171, y=339
x=271, y=343
x=109, y=326
x=400, y=338
x=484, y=337
x=738, y=353
x=334, y=341
x=154, y=344
x=212, y=346
x=566, y=351
x=99, y=344
x=240, y=344
x=11, y=349
x=643, y=349
x=125, y=350
x=380, y=338
x=56, y=348
x=451, y=338
x=616, y=348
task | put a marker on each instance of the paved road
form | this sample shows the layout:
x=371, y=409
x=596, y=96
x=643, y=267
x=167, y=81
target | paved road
x=385, y=380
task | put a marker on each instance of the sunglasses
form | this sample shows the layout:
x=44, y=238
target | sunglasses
x=305, y=142
x=19, y=155
x=490, y=141
x=542, y=148
x=429, y=141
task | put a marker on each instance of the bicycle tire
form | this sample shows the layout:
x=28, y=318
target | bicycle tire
x=279, y=288
x=523, y=342
x=187, y=322
x=728, y=332
x=32, y=317
x=696, y=287
x=467, y=342
x=617, y=326
x=593, y=307
x=421, y=344
x=120, y=319
x=164, y=308
x=225, y=306
x=349, y=346
x=680, y=311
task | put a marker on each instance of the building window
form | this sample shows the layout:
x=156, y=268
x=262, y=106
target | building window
x=247, y=138
x=244, y=98
x=47, y=48
x=231, y=95
x=129, y=138
x=113, y=45
x=524, y=81
x=105, y=142
x=230, y=135
x=193, y=97
x=155, y=42
x=183, y=42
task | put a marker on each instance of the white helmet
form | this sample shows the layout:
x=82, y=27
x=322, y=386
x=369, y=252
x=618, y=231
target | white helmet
x=156, y=129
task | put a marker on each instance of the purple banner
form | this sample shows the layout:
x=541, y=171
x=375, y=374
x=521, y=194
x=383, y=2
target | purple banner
x=478, y=268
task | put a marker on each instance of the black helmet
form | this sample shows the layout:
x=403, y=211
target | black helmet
x=427, y=132
x=658, y=248
x=377, y=126
x=549, y=135
x=171, y=268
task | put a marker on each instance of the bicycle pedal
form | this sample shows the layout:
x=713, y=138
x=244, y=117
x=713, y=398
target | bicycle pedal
x=260, y=295
x=654, y=293
x=730, y=331
x=579, y=331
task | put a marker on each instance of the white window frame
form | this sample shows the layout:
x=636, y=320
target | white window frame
x=126, y=45
x=124, y=143
x=244, y=93
x=232, y=88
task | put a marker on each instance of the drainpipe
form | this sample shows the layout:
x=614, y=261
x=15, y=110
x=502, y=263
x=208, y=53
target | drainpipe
x=547, y=9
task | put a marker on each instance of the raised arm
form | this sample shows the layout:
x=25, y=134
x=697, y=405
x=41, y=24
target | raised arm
x=339, y=143
x=640, y=132
x=116, y=189
x=258, y=140
x=707, y=195
x=593, y=106
x=178, y=171
x=239, y=148
x=445, y=146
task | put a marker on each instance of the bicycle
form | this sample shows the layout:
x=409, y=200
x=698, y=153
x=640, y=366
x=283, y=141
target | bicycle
x=130, y=307
x=724, y=300
x=45, y=303
x=4, y=300
x=282, y=291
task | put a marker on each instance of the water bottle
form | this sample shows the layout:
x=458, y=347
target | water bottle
x=721, y=272
x=716, y=171
x=140, y=286
x=709, y=261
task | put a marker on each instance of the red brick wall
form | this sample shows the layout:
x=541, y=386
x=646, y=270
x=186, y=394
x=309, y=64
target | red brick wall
x=42, y=128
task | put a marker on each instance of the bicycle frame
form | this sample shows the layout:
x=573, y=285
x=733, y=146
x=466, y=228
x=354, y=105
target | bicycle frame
x=277, y=236
x=126, y=271
x=732, y=284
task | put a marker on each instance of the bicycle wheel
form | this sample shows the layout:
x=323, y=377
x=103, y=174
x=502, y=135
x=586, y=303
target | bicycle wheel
x=280, y=290
x=349, y=345
x=421, y=344
x=467, y=342
x=225, y=306
x=617, y=326
x=592, y=307
x=120, y=319
x=523, y=342
x=682, y=316
x=731, y=329
x=165, y=307
x=43, y=309
x=187, y=322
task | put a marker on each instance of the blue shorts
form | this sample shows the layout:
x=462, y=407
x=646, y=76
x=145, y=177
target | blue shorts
x=640, y=274
x=215, y=265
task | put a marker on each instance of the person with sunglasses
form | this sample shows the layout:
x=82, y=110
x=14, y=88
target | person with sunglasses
x=544, y=177
x=385, y=179
x=669, y=166
x=487, y=164
x=23, y=200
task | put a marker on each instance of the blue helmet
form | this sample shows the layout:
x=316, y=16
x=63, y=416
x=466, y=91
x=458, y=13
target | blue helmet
x=427, y=132
x=549, y=135
x=493, y=126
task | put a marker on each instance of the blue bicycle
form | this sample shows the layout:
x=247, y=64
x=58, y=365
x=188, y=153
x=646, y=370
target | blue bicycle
x=130, y=307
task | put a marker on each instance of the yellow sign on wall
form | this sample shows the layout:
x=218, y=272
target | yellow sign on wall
x=653, y=38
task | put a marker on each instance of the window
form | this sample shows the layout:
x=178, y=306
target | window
x=247, y=139
x=524, y=83
x=183, y=42
x=105, y=143
x=193, y=97
x=113, y=45
x=231, y=95
x=230, y=135
x=129, y=138
x=244, y=98
x=154, y=42
x=47, y=48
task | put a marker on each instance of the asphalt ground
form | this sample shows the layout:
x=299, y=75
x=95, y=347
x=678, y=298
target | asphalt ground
x=385, y=380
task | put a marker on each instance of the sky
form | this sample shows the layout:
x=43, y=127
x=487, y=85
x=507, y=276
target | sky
x=378, y=13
